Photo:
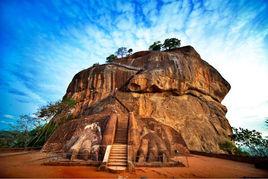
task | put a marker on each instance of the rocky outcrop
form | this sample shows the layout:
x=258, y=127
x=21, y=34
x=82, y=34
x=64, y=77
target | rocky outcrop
x=171, y=100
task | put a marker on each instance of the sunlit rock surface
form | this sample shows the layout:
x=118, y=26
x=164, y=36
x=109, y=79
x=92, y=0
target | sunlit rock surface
x=170, y=100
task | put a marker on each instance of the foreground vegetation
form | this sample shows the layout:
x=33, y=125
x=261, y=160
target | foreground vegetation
x=34, y=130
x=246, y=143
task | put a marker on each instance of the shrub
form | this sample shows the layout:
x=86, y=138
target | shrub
x=171, y=43
x=111, y=58
x=96, y=64
x=228, y=146
x=69, y=102
x=156, y=46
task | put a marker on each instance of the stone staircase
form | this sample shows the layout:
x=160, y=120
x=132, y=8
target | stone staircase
x=121, y=131
x=118, y=155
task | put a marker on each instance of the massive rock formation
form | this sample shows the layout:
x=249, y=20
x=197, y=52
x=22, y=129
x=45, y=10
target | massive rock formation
x=159, y=103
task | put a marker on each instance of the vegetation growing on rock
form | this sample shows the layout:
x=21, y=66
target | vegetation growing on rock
x=170, y=43
x=156, y=46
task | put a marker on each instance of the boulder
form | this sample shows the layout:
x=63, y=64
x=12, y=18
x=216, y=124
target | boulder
x=171, y=101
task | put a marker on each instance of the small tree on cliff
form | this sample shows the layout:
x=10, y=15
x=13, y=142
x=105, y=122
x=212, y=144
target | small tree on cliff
x=156, y=46
x=171, y=43
x=121, y=52
x=111, y=58
x=130, y=51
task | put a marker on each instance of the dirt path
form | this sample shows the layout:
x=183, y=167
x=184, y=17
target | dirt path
x=30, y=165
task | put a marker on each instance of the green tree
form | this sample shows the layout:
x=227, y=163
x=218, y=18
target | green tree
x=25, y=123
x=251, y=140
x=156, y=46
x=111, y=58
x=171, y=43
x=130, y=51
x=49, y=110
x=231, y=148
x=121, y=52
x=52, y=108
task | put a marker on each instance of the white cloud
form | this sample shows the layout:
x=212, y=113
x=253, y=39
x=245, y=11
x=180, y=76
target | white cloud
x=9, y=116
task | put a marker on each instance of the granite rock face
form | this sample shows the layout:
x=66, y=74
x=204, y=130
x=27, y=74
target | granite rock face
x=171, y=101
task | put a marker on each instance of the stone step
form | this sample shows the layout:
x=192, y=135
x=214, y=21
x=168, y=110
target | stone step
x=117, y=158
x=121, y=128
x=118, y=153
x=120, y=162
x=119, y=146
x=117, y=168
x=121, y=135
x=122, y=131
x=115, y=151
x=121, y=140
x=117, y=163
x=119, y=149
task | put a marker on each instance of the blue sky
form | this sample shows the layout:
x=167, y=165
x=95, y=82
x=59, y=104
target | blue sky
x=44, y=43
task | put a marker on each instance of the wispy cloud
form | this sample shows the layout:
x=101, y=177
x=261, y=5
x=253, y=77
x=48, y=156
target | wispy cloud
x=17, y=92
x=52, y=40
x=8, y=116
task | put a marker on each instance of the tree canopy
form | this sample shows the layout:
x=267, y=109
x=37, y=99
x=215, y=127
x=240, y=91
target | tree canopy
x=121, y=52
x=111, y=58
x=130, y=51
x=53, y=108
x=251, y=140
x=156, y=46
x=171, y=43
x=168, y=44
